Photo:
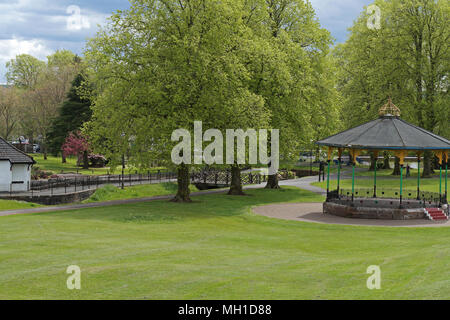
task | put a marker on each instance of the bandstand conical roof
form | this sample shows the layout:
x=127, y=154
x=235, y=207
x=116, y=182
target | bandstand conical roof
x=389, y=132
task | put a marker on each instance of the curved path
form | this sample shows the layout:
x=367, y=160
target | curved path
x=312, y=212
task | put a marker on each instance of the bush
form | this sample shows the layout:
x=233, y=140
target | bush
x=38, y=174
x=97, y=161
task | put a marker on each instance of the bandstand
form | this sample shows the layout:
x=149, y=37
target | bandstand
x=388, y=133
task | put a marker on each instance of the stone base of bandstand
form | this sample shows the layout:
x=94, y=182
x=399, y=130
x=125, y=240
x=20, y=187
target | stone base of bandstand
x=385, y=209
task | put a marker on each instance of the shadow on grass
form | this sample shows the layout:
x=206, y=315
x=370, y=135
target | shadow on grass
x=203, y=207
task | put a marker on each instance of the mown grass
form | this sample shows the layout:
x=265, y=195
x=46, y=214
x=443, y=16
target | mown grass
x=110, y=192
x=215, y=248
x=55, y=165
x=6, y=205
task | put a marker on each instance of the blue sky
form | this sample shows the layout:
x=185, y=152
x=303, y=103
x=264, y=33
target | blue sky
x=39, y=27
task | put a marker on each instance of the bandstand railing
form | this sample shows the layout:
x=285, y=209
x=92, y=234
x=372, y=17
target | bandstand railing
x=426, y=198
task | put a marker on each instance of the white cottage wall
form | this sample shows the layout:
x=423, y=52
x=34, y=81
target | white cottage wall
x=5, y=176
x=20, y=177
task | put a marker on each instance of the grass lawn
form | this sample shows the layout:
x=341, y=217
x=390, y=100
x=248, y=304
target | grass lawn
x=6, y=205
x=110, y=193
x=431, y=184
x=55, y=165
x=215, y=248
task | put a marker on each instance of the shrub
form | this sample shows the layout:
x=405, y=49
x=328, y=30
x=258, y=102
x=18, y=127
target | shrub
x=97, y=161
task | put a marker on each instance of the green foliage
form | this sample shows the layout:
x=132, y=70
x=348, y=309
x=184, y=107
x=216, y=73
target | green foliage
x=75, y=111
x=231, y=64
x=24, y=71
x=407, y=59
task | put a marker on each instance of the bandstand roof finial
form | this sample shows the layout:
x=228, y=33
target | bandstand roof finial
x=390, y=109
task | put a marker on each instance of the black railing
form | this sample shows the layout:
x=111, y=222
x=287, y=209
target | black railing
x=425, y=197
x=81, y=183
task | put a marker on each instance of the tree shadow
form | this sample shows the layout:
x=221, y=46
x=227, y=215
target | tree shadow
x=202, y=207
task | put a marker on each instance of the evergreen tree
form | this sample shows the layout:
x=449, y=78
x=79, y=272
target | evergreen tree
x=75, y=111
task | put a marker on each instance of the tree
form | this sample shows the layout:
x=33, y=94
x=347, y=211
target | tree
x=24, y=71
x=407, y=59
x=76, y=144
x=44, y=99
x=9, y=111
x=294, y=74
x=75, y=111
x=163, y=64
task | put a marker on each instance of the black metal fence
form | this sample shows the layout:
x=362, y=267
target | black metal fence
x=223, y=178
x=205, y=179
x=81, y=183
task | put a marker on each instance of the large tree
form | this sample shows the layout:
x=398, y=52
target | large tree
x=24, y=71
x=10, y=108
x=44, y=88
x=407, y=58
x=163, y=64
x=293, y=73
x=75, y=111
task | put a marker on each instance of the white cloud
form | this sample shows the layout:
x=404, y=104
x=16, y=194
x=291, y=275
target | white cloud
x=10, y=48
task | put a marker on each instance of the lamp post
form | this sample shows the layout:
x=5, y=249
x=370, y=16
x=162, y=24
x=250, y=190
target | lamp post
x=123, y=171
x=310, y=159
x=123, y=164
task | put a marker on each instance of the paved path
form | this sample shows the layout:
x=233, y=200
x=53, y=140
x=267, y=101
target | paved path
x=312, y=212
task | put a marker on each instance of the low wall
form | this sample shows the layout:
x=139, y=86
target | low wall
x=50, y=200
x=355, y=212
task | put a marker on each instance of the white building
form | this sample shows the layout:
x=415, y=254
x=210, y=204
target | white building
x=15, y=168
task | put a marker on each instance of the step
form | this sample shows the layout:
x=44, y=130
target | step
x=436, y=214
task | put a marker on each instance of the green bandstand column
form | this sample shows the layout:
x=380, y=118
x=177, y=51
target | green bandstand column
x=339, y=177
x=328, y=178
x=446, y=181
x=440, y=183
x=353, y=182
x=418, y=179
x=375, y=181
x=401, y=185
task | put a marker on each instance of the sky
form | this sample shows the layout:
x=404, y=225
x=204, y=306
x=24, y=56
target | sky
x=40, y=27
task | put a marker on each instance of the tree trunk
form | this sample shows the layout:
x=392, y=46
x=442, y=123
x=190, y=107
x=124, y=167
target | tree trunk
x=63, y=157
x=436, y=164
x=428, y=158
x=183, y=185
x=236, y=182
x=373, y=162
x=85, y=160
x=397, y=167
x=387, y=161
x=45, y=152
x=272, y=182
